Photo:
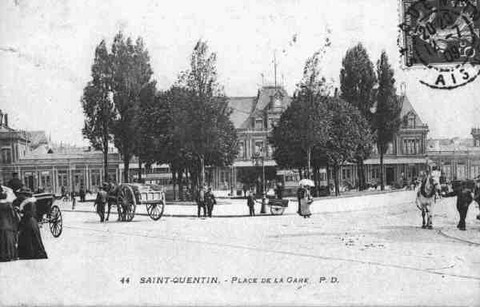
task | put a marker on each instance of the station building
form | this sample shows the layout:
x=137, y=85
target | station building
x=457, y=158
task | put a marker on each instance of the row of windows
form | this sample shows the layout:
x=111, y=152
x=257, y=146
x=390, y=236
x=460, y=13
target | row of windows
x=258, y=149
x=260, y=123
x=411, y=146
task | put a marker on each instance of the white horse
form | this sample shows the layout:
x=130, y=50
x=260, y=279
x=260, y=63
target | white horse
x=425, y=200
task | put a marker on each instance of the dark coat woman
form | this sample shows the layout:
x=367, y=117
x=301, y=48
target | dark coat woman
x=30, y=245
x=8, y=229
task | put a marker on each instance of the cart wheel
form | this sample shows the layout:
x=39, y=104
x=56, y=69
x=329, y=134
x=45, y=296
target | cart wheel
x=277, y=210
x=126, y=199
x=55, y=221
x=155, y=211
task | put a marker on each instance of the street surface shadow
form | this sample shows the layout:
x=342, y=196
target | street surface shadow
x=410, y=233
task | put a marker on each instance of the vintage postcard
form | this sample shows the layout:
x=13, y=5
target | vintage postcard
x=240, y=153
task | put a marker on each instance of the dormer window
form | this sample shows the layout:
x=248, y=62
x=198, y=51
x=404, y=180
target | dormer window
x=411, y=121
x=259, y=124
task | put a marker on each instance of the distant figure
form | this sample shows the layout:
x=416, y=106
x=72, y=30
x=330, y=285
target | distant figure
x=15, y=183
x=62, y=189
x=8, y=229
x=279, y=190
x=251, y=203
x=210, y=201
x=300, y=195
x=464, y=199
x=305, y=203
x=201, y=202
x=30, y=245
x=100, y=202
x=72, y=195
x=82, y=193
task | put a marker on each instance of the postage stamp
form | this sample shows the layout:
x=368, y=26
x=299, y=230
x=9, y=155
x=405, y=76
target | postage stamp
x=442, y=37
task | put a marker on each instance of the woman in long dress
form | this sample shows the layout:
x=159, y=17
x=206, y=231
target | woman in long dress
x=8, y=229
x=304, y=199
x=30, y=245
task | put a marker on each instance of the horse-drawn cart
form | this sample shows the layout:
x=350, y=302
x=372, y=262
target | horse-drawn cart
x=128, y=195
x=46, y=212
x=277, y=206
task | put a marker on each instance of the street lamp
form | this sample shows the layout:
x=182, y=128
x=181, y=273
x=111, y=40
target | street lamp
x=256, y=158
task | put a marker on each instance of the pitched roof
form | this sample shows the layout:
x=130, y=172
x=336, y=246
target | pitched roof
x=241, y=109
x=245, y=107
x=37, y=138
x=263, y=99
x=407, y=108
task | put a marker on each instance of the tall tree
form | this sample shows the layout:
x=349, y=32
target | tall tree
x=302, y=126
x=131, y=74
x=348, y=130
x=208, y=134
x=98, y=106
x=357, y=81
x=386, y=118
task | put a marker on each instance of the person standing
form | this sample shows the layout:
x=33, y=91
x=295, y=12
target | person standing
x=464, y=198
x=30, y=245
x=305, y=199
x=210, y=201
x=300, y=195
x=201, y=202
x=279, y=190
x=8, y=229
x=74, y=201
x=82, y=193
x=100, y=202
x=251, y=203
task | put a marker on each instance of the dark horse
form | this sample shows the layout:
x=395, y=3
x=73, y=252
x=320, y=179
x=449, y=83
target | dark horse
x=112, y=199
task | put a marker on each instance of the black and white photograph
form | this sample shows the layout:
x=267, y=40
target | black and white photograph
x=240, y=153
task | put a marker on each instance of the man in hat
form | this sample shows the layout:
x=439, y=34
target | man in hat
x=201, y=202
x=464, y=193
x=15, y=183
x=210, y=201
x=100, y=202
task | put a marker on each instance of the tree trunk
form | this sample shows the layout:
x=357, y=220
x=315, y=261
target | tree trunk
x=126, y=164
x=309, y=155
x=382, y=183
x=180, y=185
x=202, y=171
x=139, y=170
x=174, y=182
x=361, y=175
x=328, y=179
x=105, y=164
x=335, y=177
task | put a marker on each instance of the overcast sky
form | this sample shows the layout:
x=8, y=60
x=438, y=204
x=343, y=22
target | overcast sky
x=47, y=48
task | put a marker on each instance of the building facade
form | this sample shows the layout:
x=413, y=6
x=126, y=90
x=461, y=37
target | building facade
x=253, y=118
x=406, y=157
x=44, y=166
x=456, y=158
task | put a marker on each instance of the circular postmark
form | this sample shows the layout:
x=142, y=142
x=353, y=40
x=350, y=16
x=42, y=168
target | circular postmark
x=441, y=36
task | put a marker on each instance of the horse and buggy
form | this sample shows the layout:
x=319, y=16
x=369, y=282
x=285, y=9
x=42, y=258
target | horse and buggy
x=46, y=212
x=127, y=196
